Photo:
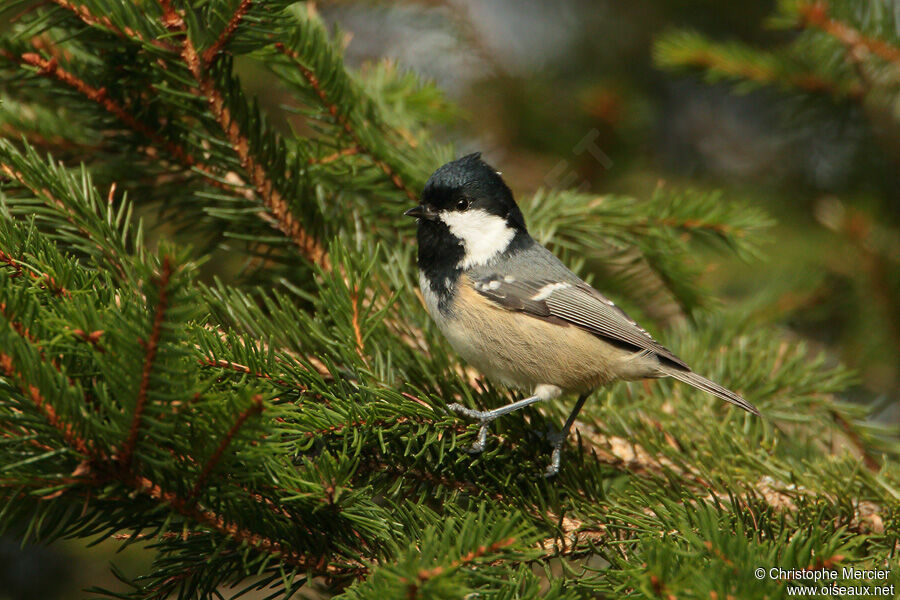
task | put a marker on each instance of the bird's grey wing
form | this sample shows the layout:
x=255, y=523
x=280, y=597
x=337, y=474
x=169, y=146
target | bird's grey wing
x=573, y=302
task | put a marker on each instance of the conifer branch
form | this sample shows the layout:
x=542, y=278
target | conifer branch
x=68, y=432
x=46, y=279
x=150, y=348
x=186, y=507
x=210, y=53
x=273, y=200
x=424, y=575
x=255, y=408
x=43, y=192
x=815, y=15
x=232, y=366
x=726, y=64
x=341, y=427
x=16, y=326
x=343, y=121
x=354, y=304
x=92, y=338
x=84, y=13
x=236, y=533
x=870, y=461
x=348, y=151
x=51, y=68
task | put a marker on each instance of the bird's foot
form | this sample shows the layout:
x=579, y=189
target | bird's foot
x=484, y=419
x=557, y=439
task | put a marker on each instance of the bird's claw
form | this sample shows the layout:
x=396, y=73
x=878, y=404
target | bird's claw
x=478, y=446
x=553, y=469
x=557, y=440
x=467, y=412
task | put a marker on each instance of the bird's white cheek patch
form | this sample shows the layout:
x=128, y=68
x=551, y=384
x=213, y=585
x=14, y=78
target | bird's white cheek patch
x=483, y=234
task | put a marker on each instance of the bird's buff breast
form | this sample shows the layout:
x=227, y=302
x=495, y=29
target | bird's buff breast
x=526, y=351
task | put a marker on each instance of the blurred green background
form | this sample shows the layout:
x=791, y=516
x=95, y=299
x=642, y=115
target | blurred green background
x=568, y=94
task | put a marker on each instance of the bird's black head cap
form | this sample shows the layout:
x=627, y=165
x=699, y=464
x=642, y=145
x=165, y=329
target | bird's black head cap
x=470, y=183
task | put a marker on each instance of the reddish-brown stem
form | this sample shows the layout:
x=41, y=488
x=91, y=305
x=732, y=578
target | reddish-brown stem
x=225, y=364
x=816, y=15
x=45, y=278
x=88, y=18
x=17, y=327
x=71, y=437
x=349, y=151
x=361, y=423
x=266, y=190
x=92, y=338
x=151, y=346
x=92, y=471
x=424, y=575
x=868, y=460
x=210, y=53
x=99, y=95
x=254, y=409
x=342, y=119
x=808, y=82
x=216, y=522
x=357, y=332
x=45, y=193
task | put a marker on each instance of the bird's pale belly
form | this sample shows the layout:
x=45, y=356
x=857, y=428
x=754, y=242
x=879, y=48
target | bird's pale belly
x=526, y=351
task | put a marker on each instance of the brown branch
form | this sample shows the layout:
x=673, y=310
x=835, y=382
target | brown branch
x=816, y=15
x=270, y=196
x=254, y=409
x=357, y=332
x=236, y=533
x=373, y=423
x=151, y=346
x=379, y=463
x=210, y=53
x=83, y=13
x=11, y=262
x=92, y=471
x=349, y=151
x=851, y=433
x=46, y=279
x=71, y=437
x=98, y=95
x=809, y=82
x=29, y=8
x=52, y=69
x=61, y=206
x=719, y=228
x=16, y=326
x=92, y=338
x=227, y=364
x=424, y=575
x=343, y=121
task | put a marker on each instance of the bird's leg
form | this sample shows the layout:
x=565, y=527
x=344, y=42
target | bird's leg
x=560, y=439
x=485, y=417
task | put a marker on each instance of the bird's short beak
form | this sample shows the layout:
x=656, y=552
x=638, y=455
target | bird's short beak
x=421, y=212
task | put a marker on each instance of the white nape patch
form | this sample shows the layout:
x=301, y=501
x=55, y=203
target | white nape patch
x=548, y=289
x=484, y=235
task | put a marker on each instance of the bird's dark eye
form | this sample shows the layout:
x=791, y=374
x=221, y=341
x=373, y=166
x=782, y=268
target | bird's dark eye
x=462, y=204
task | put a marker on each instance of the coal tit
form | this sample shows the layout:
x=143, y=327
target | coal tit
x=514, y=311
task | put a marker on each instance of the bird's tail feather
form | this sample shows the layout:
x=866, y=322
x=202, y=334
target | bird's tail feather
x=702, y=383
